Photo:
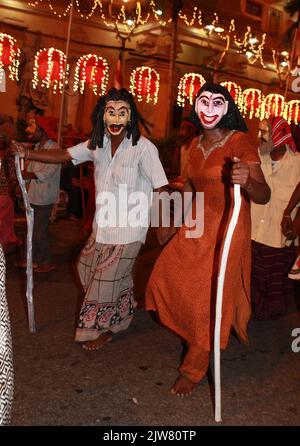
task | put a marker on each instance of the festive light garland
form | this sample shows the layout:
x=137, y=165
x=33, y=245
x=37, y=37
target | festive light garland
x=91, y=70
x=292, y=111
x=252, y=100
x=235, y=92
x=144, y=83
x=272, y=105
x=188, y=87
x=251, y=47
x=197, y=16
x=248, y=45
x=51, y=77
x=10, y=60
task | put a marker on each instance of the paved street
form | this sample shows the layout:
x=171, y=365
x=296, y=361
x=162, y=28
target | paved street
x=126, y=383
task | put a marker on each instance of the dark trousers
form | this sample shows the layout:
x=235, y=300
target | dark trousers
x=271, y=289
x=41, y=253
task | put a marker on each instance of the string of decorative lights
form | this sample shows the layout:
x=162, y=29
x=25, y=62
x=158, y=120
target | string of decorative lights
x=144, y=83
x=188, y=87
x=236, y=92
x=251, y=47
x=273, y=105
x=93, y=9
x=138, y=11
x=252, y=102
x=49, y=69
x=91, y=70
x=281, y=61
x=292, y=111
x=247, y=45
x=9, y=56
x=197, y=16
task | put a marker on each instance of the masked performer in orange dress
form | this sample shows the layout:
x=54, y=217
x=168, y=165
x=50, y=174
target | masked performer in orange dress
x=182, y=287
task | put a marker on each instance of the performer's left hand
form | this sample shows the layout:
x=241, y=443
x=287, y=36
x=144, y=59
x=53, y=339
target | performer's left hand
x=17, y=147
x=240, y=173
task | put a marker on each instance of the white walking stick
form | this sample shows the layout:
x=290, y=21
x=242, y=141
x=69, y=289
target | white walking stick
x=29, y=219
x=221, y=277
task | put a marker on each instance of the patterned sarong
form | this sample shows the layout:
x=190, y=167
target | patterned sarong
x=7, y=234
x=271, y=289
x=6, y=360
x=105, y=272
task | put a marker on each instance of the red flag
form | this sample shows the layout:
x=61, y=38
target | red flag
x=118, y=80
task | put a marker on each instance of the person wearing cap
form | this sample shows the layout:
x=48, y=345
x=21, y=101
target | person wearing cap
x=273, y=250
x=43, y=190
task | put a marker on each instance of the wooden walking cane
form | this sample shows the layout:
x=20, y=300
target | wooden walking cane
x=29, y=219
x=219, y=300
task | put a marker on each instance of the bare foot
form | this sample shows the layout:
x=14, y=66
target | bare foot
x=183, y=386
x=97, y=343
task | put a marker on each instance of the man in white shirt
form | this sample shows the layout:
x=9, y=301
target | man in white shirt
x=127, y=169
x=272, y=251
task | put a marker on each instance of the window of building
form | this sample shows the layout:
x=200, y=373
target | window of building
x=253, y=8
x=274, y=22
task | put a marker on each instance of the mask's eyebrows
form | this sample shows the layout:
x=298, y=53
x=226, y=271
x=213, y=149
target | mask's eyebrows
x=116, y=109
x=219, y=98
x=203, y=95
x=110, y=108
x=122, y=108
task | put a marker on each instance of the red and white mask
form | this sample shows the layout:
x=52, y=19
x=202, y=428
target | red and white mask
x=210, y=108
x=116, y=116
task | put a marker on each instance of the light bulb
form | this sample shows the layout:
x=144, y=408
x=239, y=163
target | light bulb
x=253, y=40
x=249, y=54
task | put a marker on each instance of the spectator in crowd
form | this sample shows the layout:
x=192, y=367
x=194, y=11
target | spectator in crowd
x=273, y=251
x=44, y=181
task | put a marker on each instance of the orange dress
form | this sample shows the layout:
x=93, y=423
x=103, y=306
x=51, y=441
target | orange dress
x=183, y=283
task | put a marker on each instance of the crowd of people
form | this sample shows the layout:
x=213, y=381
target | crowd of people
x=213, y=153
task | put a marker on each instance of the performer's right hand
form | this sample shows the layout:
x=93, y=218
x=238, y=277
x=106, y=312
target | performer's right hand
x=17, y=147
x=287, y=227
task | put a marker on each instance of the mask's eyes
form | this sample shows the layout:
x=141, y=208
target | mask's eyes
x=123, y=114
x=218, y=103
x=204, y=102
